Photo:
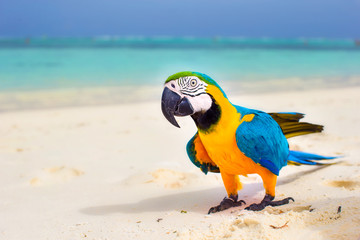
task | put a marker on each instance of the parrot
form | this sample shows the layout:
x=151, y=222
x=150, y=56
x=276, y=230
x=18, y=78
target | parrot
x=233, y=140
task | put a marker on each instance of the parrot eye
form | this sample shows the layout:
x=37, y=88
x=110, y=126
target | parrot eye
x=193, y=82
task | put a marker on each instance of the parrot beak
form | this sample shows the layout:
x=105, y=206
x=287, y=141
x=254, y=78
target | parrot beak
x=173, y=105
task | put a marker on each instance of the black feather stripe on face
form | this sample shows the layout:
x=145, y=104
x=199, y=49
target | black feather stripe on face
x=192, y=95
x=205, y=121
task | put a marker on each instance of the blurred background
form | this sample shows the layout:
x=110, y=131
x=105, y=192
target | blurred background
x=96, y=52
x=120, y=171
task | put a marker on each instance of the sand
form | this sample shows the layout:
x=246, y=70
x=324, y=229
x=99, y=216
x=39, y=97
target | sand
x=121, y=172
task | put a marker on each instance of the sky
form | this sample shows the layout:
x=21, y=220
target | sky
x=197, y=18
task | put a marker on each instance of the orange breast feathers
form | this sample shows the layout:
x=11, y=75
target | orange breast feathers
x=220, y=142
x=227, y=156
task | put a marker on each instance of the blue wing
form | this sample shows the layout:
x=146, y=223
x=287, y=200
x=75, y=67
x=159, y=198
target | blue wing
x=262, y=140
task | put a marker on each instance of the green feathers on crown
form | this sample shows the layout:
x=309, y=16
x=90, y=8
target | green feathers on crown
x=201, y=76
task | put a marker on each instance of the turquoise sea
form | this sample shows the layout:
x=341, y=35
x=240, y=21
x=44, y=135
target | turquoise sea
x=62, y=63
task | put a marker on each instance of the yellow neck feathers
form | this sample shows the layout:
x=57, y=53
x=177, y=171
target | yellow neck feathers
x=229, y=117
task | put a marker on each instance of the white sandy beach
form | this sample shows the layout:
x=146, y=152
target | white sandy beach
x=121, y=172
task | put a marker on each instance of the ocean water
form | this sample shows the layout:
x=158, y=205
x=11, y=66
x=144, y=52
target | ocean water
x=28, y=64
x=251, y=65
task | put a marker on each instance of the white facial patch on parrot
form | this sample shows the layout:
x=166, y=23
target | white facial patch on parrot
x=200, y=103
x=192, y=86
x=194, y=90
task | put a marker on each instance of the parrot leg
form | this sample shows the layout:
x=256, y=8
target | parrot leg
x=269, y=181
x=268, y=201
x=232, y=185
x=227, y=202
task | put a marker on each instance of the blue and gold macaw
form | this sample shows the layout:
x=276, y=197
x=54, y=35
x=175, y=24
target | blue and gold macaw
x=235, y=140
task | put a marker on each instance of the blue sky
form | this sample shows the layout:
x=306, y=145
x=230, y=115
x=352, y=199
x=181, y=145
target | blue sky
x=199, y=18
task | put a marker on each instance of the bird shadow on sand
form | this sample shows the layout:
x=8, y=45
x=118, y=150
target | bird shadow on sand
x=194, y=201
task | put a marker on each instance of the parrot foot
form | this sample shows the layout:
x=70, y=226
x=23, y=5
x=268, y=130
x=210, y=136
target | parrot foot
x=227, y=202
x=268, y=201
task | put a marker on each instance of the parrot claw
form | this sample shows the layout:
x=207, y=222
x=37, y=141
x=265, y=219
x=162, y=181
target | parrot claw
x=227, y=202
x=268, y=201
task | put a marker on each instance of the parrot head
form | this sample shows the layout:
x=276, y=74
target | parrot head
x=187, y=93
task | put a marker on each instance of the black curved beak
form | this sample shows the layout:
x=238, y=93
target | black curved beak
x=173, y=105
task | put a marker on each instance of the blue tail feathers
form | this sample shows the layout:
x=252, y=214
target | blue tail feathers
x=299, y=158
